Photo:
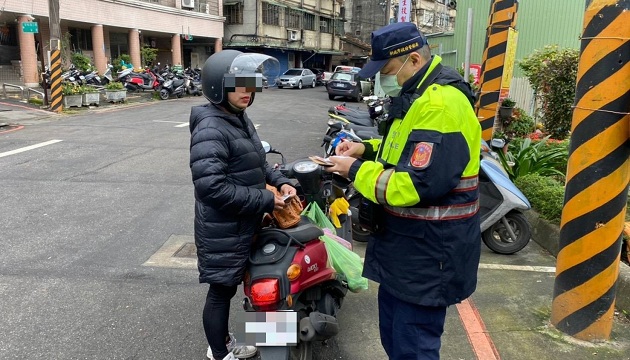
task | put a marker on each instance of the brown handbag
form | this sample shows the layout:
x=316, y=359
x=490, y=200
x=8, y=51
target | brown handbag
x=290, y=215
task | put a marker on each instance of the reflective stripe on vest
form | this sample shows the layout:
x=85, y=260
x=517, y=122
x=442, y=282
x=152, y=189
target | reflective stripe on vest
x=380, y=190
x=450, y=212
x=467, y=184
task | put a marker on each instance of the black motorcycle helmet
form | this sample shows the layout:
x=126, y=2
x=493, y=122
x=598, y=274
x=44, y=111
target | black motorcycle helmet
x=226, y=70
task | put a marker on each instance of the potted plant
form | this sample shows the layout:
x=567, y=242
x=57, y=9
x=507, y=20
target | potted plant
x=90, y=95
x=72, y=95
x=507, y=108
x=115, y=92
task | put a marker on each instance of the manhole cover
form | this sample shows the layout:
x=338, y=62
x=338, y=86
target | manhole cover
x=188, y=250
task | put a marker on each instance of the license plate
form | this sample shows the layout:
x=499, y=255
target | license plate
x=340, y=85
x=273, y=328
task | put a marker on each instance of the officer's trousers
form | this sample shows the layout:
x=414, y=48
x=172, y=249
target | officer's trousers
x=409, y=331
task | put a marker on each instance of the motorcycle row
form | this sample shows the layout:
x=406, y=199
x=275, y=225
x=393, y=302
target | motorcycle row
x=166, y=82
x=292, y=272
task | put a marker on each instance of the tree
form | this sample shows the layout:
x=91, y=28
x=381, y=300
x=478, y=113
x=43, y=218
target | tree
x=553, y=72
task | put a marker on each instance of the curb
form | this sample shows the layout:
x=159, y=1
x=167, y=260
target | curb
x=548, y=235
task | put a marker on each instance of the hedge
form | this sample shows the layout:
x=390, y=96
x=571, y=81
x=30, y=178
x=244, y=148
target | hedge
x=545, y=194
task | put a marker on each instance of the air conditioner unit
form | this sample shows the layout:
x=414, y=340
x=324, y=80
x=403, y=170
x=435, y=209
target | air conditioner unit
x=323, y=24
x=207, y=8
x=292, y=35
x=188, y=4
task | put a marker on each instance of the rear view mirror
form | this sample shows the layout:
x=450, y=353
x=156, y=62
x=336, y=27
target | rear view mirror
x=266, y=146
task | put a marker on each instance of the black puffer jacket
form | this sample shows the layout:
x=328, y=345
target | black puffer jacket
x=229, y=172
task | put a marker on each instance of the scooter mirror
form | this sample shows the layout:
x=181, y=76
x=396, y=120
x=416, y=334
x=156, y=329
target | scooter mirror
x=266, y=146
x=497, y=143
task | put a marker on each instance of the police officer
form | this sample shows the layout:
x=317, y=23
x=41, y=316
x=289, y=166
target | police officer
x=423, y=178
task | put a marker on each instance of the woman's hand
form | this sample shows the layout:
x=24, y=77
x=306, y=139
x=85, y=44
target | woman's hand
x=278, y=203
x=342, y=165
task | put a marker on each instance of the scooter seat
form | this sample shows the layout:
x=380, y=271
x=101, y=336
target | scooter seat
x=303, y=232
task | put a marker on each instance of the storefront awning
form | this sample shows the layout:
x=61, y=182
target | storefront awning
x=329, y=52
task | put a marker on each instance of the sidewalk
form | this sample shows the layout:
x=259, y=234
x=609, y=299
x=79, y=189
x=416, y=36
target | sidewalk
x=15, y=111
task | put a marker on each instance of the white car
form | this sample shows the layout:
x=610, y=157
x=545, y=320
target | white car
x=297, y=78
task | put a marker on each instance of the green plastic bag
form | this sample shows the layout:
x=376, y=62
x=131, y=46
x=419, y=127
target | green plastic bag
x=344, y=261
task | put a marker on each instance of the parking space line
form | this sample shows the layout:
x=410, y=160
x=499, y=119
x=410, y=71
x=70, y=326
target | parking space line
x=546, y=269
x=27, y=148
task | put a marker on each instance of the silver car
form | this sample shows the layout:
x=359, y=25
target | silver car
x=296, y=78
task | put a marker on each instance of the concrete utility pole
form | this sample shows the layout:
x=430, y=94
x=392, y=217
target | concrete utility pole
x=502, y=18
x=55, y=56
x=597, y=177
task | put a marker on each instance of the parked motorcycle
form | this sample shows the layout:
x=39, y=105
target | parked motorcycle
x=174, y=86
x=290, y=272
x=146, y=80
x=193, y=81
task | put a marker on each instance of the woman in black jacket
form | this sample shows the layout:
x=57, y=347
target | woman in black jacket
x=229, y=172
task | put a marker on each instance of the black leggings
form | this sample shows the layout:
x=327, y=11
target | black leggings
x=215, y=318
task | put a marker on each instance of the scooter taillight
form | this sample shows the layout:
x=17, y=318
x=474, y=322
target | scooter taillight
x=265, y=292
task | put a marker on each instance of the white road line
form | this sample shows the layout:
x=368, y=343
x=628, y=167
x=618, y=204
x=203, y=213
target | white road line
x=179, y=123
x=27, y=148
x=547, y=269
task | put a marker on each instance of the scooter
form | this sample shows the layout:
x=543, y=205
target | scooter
x=142, y=81
x=290, y=275
x=173, y=86
x=504, y=228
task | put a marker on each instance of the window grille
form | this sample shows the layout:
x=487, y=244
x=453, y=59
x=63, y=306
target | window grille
x=294, y=18
x=309, y=22
x=233, y=14
x=271, y=14
x=325, y=25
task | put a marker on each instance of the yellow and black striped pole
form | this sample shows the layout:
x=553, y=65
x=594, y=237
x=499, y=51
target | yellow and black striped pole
x=597, y=176
x=502, y=18
x=55, y=81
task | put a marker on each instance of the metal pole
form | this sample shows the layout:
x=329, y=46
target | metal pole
x=469, y=31
x=41, y=53
x=388, y=12
x=55, y=56
x=598, y=173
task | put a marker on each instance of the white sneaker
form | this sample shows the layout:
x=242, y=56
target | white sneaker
x=236, y=352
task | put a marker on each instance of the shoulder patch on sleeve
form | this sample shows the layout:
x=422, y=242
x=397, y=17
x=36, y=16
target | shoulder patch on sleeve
x=421, y=157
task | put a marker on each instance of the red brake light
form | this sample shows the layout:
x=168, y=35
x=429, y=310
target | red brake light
x=265, y=292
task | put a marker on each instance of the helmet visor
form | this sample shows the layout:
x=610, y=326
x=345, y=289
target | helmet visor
x=250, y=71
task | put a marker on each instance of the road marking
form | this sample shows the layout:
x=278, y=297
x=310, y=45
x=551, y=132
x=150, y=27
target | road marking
x=478, y=336
x=179, y=123
x=27, y=148
x=547, y=269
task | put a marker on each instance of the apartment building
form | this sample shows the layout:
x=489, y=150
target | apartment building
x=185, y=32
x=365, y=16
x=299, y=33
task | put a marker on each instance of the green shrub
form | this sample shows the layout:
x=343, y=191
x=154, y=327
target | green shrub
x=545, y=194
x=148, y=55
x=68, y=88
x=533, y=158
x=118, y=62
x=81, y=62
x=519, y=125
x=115, y=86
x=553, y=72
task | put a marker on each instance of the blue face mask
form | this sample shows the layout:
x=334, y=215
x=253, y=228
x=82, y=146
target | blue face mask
x=389, y=83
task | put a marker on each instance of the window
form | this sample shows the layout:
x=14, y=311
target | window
x=233, y=14
x=309, y=21
x=271, y=14
x=293, y=72
x=294, y=18
x=80, y=39
x=427, y=18
x=325, y=25
x=341, y=76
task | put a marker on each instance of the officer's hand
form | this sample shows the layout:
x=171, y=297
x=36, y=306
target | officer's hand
x=287, y=189
x=349, y=148
x=342, y=165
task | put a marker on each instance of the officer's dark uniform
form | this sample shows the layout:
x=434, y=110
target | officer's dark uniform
x=425, y=176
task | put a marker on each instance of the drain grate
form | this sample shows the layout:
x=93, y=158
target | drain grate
x=188, y=250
